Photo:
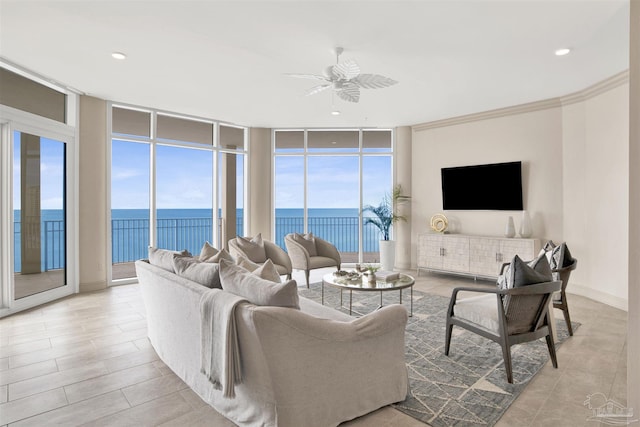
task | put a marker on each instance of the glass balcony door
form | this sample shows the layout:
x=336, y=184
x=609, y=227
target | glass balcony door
x=39, y=214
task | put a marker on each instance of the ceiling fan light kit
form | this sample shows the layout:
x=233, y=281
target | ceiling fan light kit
x=345, y=79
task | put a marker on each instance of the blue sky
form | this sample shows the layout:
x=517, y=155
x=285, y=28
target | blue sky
x=184, y=178
x=51, y=173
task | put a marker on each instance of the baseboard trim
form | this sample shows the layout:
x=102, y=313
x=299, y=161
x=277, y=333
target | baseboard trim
x=93, y=286
x=599, y=296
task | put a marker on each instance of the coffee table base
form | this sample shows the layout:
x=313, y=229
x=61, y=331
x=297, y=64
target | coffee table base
x=378, y=308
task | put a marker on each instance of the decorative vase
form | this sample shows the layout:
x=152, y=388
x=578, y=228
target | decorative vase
x=525, y=225
x=387, y=254
x=510, y=231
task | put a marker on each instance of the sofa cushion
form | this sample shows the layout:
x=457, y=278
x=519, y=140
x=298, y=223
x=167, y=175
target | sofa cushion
x=257, y=290
x=253, y=248
x=205, y=273
x=207, y=251
x=163, y=258
x=307, y=241
x=222, y=254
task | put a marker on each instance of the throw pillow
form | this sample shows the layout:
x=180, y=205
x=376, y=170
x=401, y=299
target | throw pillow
x=246, y=264
x=253, y=248
x=222, y=254
x=558, y=256
x=307, y=241
x=268, y=271
x=510, y=277
x=256, y=290
x=207, y=251
x=205, y=273
x=523, y=274
x=163, y=258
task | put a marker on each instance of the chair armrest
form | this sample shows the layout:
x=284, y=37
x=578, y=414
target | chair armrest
x=298, y=254
x=276, y=254
x=327, y=249
x=454, y=295
x=503, y=266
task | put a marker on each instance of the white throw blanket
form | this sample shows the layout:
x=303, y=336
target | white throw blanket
x=220, y=349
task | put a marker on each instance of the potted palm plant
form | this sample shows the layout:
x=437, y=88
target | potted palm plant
x=384, y=216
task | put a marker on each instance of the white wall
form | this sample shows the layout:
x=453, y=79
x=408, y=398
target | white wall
x=596, y=184
x=575, y=178
x=534, y=138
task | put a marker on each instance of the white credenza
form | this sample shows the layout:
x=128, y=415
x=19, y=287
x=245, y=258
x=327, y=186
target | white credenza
x=478, y=256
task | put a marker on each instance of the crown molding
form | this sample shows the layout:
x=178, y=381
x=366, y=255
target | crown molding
x=582, y=95
x=597, y=89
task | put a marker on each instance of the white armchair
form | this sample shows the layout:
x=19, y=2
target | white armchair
x=272, y=251
x=308, y=252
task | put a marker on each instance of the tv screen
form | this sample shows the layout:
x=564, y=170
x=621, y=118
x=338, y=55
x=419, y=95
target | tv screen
x=496, y=186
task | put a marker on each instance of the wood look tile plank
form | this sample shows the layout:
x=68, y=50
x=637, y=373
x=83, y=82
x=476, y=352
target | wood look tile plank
x=81, y=412
x=128, y=326
x=4, y=364
x=29, y=371
x=129, y=360
x=110, y=382
x=192, y=397
x=95, y=355
x=12, y=350
x=33, y=405
x=152, y=413
x=120, y=338
x=54, y=380
x=47, y=354
x=205, y=416
x=152, y=389
x=4, y=394
x=85, y=336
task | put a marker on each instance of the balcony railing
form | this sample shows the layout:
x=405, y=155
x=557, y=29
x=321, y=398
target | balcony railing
x=130, y=237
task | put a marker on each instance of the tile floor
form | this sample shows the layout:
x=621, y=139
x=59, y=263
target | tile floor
x=85, y=360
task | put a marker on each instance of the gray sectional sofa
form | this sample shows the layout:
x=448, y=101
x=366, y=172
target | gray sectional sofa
x=309, y=367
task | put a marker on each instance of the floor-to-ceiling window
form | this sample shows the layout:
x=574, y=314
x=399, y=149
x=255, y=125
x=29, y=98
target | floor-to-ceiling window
x=322, y=181
x=37, y=194
x=166, y=170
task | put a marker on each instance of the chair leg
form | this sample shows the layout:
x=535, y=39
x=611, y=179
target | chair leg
x=506, y=354
x=552, y=350
x=289, y=276
x=306, y=274
x=447, y=339
x=567, y=318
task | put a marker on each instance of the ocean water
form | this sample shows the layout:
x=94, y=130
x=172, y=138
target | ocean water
x=190, y=228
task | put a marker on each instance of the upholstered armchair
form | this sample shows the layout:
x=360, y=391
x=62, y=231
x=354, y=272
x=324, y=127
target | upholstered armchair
x=506, y=316
x=258, y=251
x=309, y=252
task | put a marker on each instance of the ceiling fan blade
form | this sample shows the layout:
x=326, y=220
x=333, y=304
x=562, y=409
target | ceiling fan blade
x=317, y=89
x=350, y=92
x=308, y=76
x=346, y=70
x=374, y=81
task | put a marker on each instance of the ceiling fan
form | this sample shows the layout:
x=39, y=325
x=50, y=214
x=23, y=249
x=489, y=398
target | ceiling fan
x=345, y=79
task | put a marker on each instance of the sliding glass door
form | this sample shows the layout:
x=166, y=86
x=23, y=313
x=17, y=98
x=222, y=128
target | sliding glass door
x=39, y=214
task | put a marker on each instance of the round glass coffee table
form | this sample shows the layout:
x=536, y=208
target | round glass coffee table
x=362, y=283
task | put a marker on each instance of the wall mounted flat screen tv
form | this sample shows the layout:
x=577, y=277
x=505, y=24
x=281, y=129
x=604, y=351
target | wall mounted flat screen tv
x=496, y=186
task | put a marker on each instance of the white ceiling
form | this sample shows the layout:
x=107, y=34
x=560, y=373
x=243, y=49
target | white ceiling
x=227, y=60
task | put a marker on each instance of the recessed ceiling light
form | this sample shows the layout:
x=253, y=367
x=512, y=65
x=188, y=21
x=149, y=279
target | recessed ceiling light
x=335, y=113
x=119, y=55
x=563, y=51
